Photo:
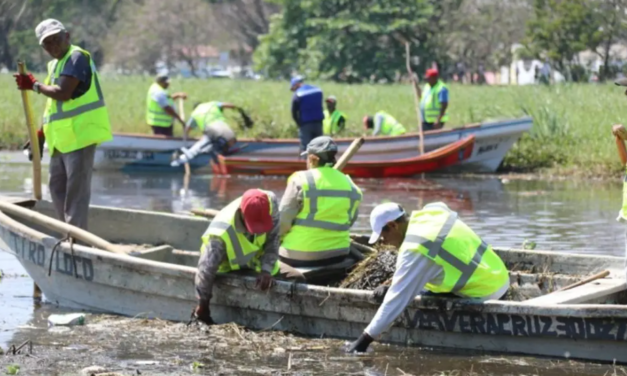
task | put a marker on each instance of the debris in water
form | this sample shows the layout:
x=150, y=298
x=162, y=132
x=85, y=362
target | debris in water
x=69, y=319
x=93, y=370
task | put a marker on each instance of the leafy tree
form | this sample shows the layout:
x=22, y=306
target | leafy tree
x=350, y=40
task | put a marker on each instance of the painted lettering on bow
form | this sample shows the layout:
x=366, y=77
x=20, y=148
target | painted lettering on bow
x=36, y=253
x=128, y=154
x=517, y=325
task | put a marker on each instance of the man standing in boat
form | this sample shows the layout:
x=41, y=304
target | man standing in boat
x=243, y=236
x=307, y=110
x=160, y=109
x=437, y=252
x=433, y=101
x=334, y=120
x=318, y=208
x=383, y=124
x=75, y=120
x=217, y=136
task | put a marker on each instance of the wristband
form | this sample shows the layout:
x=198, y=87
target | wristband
x=36, y=87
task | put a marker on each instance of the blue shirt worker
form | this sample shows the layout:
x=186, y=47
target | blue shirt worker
x=434, y=101
x=307, y=110
x=75, y=120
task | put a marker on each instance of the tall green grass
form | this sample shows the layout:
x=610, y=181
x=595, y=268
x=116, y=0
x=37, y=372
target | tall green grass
x=571, y=122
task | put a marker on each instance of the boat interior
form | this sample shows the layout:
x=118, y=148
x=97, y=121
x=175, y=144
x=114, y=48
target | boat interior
x=537, y=277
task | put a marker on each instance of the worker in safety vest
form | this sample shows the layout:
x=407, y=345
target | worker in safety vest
x=75, y=120
x=437, y=252
x=383, y=124
x=307, y=110
x=243, y=236
x=217, y=137
x=433, y=101
x=160, y=109
x=318, y=208
x=334, y=120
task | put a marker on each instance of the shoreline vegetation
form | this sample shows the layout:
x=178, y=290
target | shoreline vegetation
x=571, y=135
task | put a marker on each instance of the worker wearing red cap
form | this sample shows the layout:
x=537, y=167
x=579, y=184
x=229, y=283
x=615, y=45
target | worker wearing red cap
x=434, y=101
x=334, y=120
x=243, y=236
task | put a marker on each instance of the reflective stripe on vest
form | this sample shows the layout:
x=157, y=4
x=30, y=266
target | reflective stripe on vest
x=493, y=274
x=207, y=113
x=430, y=103
x=330, y=124
x=314, y=193
x=80, y=122
x=239, y=259
x=155, y=114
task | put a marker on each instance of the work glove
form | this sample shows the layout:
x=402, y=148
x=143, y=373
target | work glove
x=361, y=344
x=203, y=313
x=41, y=138
x=25, y=81
x=379, y=293
x=246, y=119
x=264, y=281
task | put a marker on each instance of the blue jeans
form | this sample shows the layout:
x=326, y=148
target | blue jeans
x=309, y=131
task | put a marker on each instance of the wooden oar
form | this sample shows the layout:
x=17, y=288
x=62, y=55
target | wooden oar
x=348, y=154
x=60, y=227
x=592, y=278
x=32, y=135
x=340, y=164
x=414, y=84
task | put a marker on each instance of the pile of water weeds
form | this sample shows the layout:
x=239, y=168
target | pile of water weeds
x=373, y=271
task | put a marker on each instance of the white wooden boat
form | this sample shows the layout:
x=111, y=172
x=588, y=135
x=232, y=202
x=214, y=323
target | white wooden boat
x=586, y=322
x=130, y=152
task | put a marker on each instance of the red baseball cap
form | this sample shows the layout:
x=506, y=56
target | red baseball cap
x=255, y=207
x=431, y=73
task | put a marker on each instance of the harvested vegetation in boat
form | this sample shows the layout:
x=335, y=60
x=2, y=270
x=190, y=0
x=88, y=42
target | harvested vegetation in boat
x=373, y=271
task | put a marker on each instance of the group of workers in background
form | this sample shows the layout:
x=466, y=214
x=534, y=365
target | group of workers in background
x=256, y=234
x=307, y=109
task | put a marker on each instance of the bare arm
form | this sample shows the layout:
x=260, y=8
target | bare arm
x=170, y=111
x=61, y=92
x=228, y=105
x=442, y=111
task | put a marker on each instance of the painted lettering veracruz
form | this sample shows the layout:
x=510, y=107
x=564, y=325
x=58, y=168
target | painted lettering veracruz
x=35, y=253
x=517, y=325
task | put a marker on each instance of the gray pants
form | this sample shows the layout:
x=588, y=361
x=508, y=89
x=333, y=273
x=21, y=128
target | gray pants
x=70, y=184
x=309, y=131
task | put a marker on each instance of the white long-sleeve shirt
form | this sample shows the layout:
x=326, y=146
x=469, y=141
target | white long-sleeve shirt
x=413, y=272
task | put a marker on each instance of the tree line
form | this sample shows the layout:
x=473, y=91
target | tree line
x=341, y=40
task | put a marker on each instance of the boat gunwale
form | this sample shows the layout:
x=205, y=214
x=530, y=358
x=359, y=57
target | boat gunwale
x=323, y=292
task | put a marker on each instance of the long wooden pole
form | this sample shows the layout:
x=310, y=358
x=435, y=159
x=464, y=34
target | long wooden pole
x=182, y=114
x=32, y=136
x=58, y=226
x=592, y=278
x=421, y=145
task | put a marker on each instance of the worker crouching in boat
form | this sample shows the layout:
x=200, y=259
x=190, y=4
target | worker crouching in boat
x=217, y=136
x=318, y=208
x=438, y=253
x=243, y=236
x=383, y=124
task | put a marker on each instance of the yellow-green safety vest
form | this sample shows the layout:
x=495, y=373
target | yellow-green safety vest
x=390, y=126
x=330, y=204
x=239, y=250
x=77, y=123
x=207, y=113
x=430, y=103
x=471, y=267
x=331, y=123
x=155, y=115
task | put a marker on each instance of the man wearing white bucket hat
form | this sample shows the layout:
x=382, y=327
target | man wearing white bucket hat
x=438, y=253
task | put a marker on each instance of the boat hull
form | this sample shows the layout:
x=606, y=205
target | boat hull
x=99, y=281
x=493, y=140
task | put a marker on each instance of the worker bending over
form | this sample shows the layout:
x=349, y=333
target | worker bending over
x=383, y=124
x=433, y=101
x=243, y=236
x=437, y=252
x=160, y=109
x=334, y=120
x=318, y=208
x=217, y=137
x=75, y=120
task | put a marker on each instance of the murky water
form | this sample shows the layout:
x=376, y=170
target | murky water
x=564, y=215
